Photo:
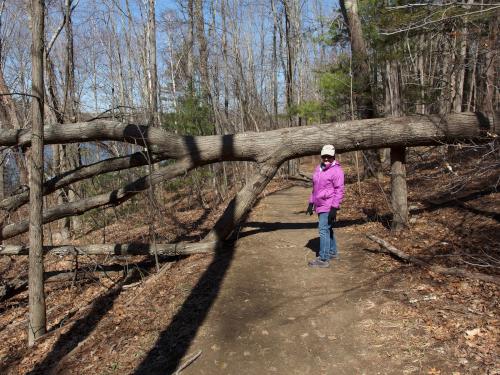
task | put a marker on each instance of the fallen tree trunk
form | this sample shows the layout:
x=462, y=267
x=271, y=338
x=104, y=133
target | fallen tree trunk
x=452, y=271
x=268, y=148
x=302, y=141
x=119, y=249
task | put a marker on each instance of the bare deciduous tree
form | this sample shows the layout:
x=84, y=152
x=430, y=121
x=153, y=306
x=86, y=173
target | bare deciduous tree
x=37, y=319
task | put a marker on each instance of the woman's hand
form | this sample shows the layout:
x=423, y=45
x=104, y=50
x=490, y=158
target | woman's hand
x=310, y=209
x=332, y=215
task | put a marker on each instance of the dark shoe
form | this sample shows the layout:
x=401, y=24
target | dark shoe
x=318, y=263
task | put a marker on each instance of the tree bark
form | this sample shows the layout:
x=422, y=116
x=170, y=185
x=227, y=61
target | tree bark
x=488, y=102
x=154, y=118
x=243, y=202
x=203, y=51
x=10, y=109
x=269, y=149
x=399, y=194
x=37, y=318
x=302, y=141
x=117, y=249
x=365, y=107
x=3, y=155
x=70, y=153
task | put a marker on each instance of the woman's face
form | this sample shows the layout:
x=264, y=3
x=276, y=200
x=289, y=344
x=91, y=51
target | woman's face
x=327, y=158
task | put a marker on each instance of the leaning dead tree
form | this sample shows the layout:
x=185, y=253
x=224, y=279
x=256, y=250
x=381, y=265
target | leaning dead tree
x=267, y=149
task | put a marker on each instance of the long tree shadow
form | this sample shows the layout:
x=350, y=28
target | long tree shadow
x=174, y=341
x=262, y=227
x=79, y=331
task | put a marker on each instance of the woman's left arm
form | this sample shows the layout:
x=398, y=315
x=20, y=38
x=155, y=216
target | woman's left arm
x=338, y=188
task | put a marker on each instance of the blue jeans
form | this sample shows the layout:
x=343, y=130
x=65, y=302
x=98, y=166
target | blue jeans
x=327, y=243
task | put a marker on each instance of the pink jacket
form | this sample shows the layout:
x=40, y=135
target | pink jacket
x=328, y=187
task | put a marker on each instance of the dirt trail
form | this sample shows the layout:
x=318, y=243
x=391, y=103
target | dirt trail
x=274, y=314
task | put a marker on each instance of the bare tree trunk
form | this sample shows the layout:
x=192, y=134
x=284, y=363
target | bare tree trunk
x=275, y=66
x=3, y=161
x=190, y=47
x=361, y=69
x=225, y=59
x=291, y=34
x=70, y=153
x=445, y=84
x=203, y=51
x=460, y=70
x=154, y=118
x=243, y=202
x=37, y=317
x=3, y=155
x=471, y=76
x=421, y=107
x=399, y=195
x=290, y=60
x=10, y=108
x=489, y=90
x=3, y=115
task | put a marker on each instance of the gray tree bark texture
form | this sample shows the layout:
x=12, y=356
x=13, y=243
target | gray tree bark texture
x=37, y=315
x=365, y=108
x=419, y=130
x=154, y=119
x=117, y=249
x=399, y=193
x=269, y=149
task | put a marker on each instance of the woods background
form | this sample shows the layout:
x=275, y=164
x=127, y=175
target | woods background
x=174, y=71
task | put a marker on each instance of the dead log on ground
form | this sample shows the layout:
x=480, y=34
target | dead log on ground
x=165, y=249
x=387, y=248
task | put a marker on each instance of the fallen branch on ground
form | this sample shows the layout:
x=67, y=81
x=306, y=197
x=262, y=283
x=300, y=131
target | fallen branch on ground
x=20, y=284
x=190, y=360
x=166, y=249
x=387, y=248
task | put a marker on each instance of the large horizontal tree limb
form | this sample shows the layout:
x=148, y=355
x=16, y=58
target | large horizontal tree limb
x=182, y=248
x=453, y=271
x=301, y=141
x=109, y=165
x=114, y=197
x=270, y=149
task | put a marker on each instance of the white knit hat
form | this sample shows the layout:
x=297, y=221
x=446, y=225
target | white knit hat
x=328, y=150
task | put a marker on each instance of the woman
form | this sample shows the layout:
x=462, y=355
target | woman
x=327, y=194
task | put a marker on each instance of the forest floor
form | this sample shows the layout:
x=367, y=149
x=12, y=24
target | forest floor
x=255, y=307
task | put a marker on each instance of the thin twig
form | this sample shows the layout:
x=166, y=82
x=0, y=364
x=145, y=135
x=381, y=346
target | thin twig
x=193, y=358
x=414, y=27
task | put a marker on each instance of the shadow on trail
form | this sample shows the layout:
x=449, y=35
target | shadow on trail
x=176, y=339
x=173, y=343
x=262, y=227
